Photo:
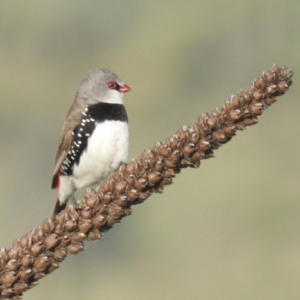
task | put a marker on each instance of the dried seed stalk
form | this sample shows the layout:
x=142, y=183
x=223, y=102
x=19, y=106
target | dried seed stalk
x=41, y=250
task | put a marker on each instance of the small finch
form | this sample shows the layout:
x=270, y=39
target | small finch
x=94, y=138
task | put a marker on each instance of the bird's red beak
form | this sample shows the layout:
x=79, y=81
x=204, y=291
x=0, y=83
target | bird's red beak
x=124, y=88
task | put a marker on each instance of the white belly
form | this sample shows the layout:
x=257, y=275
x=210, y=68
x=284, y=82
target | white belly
x=107, y=148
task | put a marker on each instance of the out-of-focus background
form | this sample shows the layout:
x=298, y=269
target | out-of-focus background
x=229, y=230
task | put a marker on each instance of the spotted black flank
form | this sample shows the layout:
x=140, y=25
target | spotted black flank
x=91, y=115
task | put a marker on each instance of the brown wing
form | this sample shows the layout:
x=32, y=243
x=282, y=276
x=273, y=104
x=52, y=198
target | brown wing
x=73, y=119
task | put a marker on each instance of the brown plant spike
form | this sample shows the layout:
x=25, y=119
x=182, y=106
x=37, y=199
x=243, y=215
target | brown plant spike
x=40, y=251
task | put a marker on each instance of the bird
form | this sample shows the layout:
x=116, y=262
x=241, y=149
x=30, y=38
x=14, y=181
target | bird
x=95, y=136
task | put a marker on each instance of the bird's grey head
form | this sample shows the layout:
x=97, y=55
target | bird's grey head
x=102, y=85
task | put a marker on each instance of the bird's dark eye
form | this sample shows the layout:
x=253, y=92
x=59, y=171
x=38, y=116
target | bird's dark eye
x=112, y=85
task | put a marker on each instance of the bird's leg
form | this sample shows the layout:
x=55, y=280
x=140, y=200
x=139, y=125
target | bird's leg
x=72, y=200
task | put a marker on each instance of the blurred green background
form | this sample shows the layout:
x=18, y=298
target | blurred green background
x=229, y=230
